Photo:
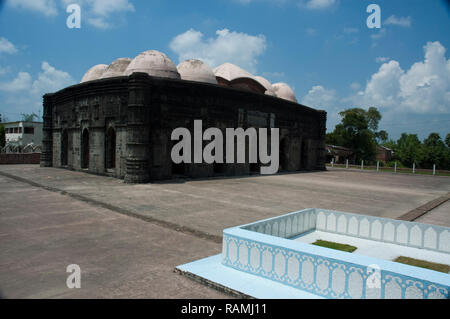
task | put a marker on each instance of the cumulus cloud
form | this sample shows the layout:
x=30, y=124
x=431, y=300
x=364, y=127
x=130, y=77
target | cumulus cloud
x=424, y=88
x=20, y=83
x=235, y=47
x=400, y=21
x=46, y=7
x=6, y=46
x=23, y=94
x=51, y=80
x=320, y=97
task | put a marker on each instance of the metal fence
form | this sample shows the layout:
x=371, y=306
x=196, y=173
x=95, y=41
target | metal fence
x=396, y=169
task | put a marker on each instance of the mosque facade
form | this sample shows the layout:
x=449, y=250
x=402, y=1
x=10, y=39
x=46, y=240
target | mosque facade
x=118, y=121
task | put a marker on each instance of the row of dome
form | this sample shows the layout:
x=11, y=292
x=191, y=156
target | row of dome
x=156, y=63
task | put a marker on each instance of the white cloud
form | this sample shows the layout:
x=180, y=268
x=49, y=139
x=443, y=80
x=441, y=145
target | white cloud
x=51, y=80
x=22, y=82
x=6, y=46
x=400, y=21
x=235, y=47
x=381, y=59
x=24, y=95
x=319, y=4
x=355, y=86
x=319, y=97
x=424, y=88
x=99, y=13
x=379, y=34
x=46, y=7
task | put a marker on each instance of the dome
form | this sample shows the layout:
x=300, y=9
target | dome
x=94, y=73
x=282, y=90
x=116, y=68
x=230, y=72
x=266, y=84
x=153, y=63
x=196, y=70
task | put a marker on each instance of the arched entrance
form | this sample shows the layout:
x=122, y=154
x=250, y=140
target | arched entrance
x=64, y=148
x=85, y=149
x=110, y=148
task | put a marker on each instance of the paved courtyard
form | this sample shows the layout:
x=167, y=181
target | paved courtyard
x=127, y=239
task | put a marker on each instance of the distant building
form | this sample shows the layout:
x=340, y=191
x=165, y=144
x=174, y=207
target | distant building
x=20, y=136
x=384, y=154
x=340, y=154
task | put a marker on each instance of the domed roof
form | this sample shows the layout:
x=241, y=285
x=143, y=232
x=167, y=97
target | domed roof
x=153, y=63
x=229, y=72
x=196, y=70
x=282, y=90
x=264, y=82
x=94, y=73
x=116, y=68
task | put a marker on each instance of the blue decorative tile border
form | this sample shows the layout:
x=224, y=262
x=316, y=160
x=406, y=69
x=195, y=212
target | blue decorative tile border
x=262, y=249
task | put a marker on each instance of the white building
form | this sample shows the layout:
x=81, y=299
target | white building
x=19, y=135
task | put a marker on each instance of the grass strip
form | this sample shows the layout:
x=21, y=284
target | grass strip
x=337, y=246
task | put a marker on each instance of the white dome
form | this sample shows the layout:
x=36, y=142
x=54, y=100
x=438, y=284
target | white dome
x=94, y=73
x=153, y=63
x=229, y=72
x=116, y=68
x=282, y=90
x=196, y=70
x=264, y=82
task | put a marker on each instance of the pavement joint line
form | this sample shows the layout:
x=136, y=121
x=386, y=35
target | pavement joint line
x=420, y=211
x=119, y=210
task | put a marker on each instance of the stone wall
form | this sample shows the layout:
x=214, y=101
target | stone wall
x=144, y=110
x=20, y=158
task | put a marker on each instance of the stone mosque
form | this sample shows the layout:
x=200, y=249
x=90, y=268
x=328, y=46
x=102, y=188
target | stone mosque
x=118, y=121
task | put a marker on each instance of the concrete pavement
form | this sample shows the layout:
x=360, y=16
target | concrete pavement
x=50, y=218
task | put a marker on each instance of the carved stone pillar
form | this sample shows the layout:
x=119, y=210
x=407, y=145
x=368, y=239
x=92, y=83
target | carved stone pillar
x=47, y=132
x=138, y=131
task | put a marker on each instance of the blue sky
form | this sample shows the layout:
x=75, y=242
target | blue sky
x=322, y=48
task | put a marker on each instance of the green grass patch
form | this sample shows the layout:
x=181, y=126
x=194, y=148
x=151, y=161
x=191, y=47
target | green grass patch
x=337, y=246
x=423, y=264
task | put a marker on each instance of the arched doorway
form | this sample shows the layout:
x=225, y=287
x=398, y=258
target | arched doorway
x=64, y=148
x=110, y=148
x=85, y=149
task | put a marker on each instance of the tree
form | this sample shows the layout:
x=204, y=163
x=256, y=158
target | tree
x=409, y=149
x=382, y=136
x=29, y=117
x=357, y=131
x=447, y=140
x=435, y=151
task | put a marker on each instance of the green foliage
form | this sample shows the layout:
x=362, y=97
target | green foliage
x=409, y=150
x=2, y=136
x=29, y=117
x=357, y=131
x=447, y=140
